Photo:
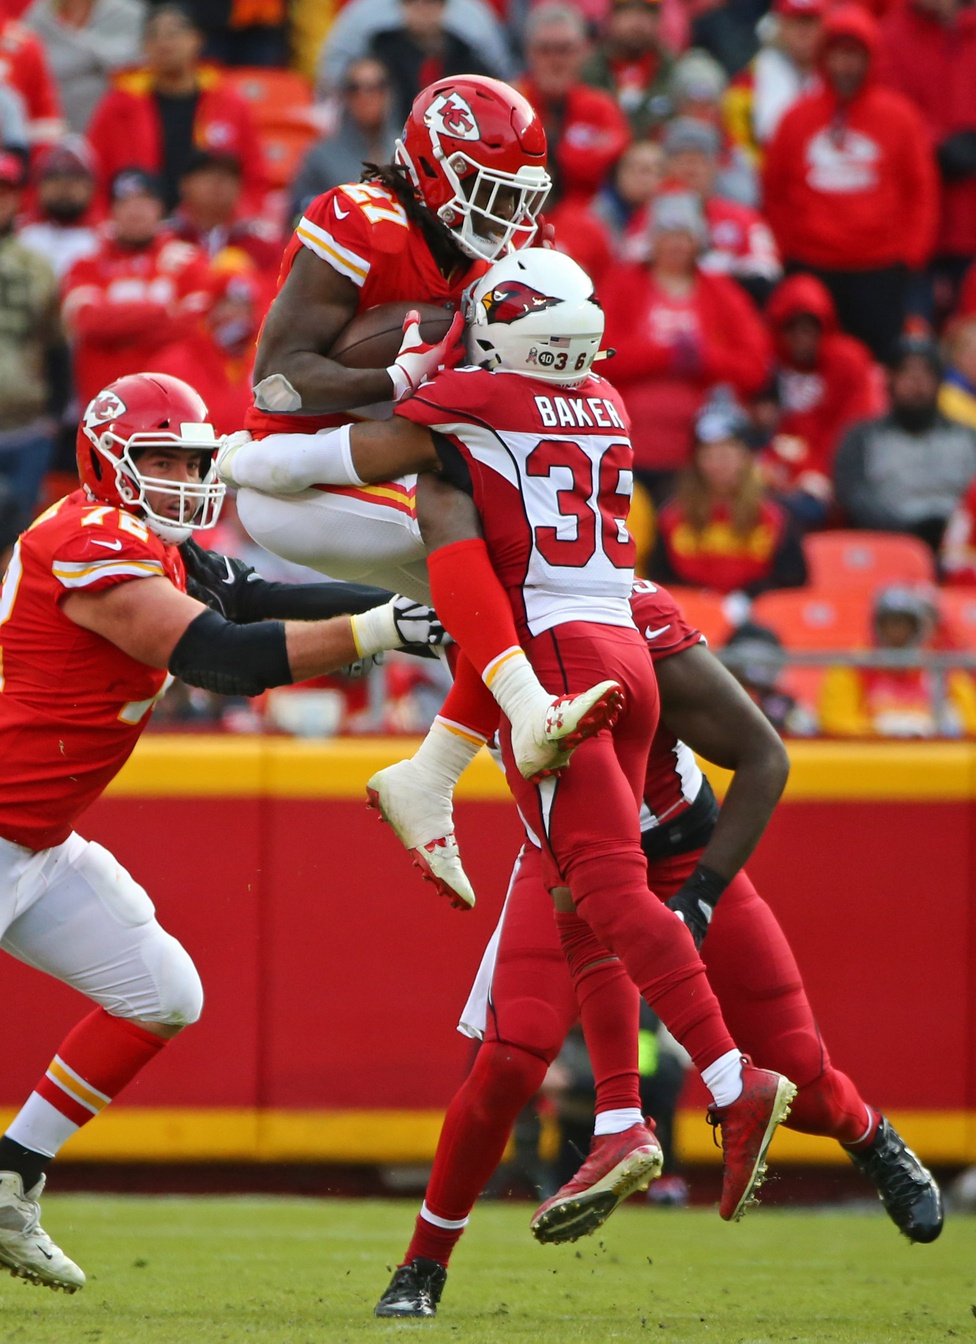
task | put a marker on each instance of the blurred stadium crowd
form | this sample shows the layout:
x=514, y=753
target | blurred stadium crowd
x=777, y=206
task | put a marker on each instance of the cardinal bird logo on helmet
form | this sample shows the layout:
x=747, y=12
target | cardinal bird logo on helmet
x=511, y=300
x=450, y=114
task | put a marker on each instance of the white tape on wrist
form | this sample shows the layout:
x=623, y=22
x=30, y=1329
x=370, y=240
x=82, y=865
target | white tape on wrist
x=402, y=386
x=375, y=630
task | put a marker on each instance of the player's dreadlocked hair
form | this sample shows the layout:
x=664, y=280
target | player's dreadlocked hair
x=439, y=238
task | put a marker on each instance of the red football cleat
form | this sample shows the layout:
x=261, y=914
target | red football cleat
x=618, y=1165
x=748, y=1125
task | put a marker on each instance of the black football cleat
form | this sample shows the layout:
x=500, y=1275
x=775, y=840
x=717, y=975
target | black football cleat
x=414, y=1290
x=908, y=1191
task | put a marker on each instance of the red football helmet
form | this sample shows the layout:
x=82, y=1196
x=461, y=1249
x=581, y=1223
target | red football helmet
x=149, y=410
x=469, y=142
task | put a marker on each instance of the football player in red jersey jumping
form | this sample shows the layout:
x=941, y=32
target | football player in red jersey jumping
x=466, y=185
x=541, y=446
x=523, y=1002
x=85, y=651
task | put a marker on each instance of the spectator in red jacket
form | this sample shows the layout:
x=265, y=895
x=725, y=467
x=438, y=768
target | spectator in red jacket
x=157, y=117
x=850, y=185
x=677, y=331
x=586, y=129
x=930, y=50
x=219, y=353
x=721, y=530
x=24, y=66
x=825, y=382
x=141, y=291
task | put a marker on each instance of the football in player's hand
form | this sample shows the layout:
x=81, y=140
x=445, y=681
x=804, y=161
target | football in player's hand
x=372, y=339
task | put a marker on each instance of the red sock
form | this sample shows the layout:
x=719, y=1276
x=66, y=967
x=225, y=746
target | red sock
x=832, y=1107
x=469, y=705
x=472, y=1143
x=609, y=1007
x=468, y=597
x=93, y=1064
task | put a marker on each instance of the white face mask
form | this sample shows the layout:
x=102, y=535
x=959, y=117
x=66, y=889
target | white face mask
x=200, y=501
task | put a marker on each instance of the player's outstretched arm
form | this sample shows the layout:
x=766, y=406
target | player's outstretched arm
x=707, y=708
x=153, y=622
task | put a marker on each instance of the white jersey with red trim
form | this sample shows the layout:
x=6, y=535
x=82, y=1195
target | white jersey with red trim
x=552, y=475
x=72, y=704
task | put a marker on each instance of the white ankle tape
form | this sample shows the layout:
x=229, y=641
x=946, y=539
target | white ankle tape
x=449, y=1224
x=615, y=1122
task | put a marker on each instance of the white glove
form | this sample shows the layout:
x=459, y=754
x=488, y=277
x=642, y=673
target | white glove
x=226, y=454
x=399, y=623
x=417, y=360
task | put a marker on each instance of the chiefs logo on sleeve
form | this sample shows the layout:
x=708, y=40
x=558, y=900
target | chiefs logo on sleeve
x=451, y=115
x=511, y=300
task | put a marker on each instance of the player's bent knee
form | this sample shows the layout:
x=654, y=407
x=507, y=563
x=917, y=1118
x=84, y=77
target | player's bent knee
x=179, y=989
x=530, y=1025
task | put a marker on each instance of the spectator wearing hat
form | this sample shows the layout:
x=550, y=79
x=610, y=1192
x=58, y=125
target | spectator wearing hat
x=824, y=384
x=893, y=701
x=677, y=331
x=365, y=132
x=757, y=99
x=142, y=289
x=755, y=656
x=29, y=333
x=907, y=471
x=209, y=214
x=86, y=42
x=930, y=57
x=157, y=117
x=420, y=49
x=721, y=530
x=62, y=226
x=850, y=185
x=631, y=63
x=698, y=85
x=23, y=61
x=217, y=357
x=587, y=131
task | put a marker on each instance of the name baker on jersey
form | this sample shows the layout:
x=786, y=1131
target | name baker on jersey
x=578, y=412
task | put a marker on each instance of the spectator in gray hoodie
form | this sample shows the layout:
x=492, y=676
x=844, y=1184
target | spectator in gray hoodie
x=85, y=46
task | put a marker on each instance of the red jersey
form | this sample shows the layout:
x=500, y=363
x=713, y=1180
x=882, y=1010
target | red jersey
x=72, y=705
x=362, y=231
x=673, y=781
x=551, y=471
x=718, y=556
x=123, y=305
x=23, y=65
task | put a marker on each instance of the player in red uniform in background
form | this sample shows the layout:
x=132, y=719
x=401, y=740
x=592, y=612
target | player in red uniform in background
x=467, y=184
x=143, y=290
x=85, y=651
x=542, y=446
x=522, y=1003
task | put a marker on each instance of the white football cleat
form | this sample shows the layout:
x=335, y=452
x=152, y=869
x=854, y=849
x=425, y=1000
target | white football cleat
x=25, y=1248
x=543, y=746
x=424, y=822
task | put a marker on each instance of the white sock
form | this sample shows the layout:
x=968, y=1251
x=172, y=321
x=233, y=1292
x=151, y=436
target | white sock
x=445, y=753
x=512, y=681
x=40, y=1126
x=450, y=1224
x=615, y=1122
x=724, y=1078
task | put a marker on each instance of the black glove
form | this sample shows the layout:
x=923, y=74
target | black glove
x=695, y=901
x=218, y=581
x=416, y=624
x=957, y=156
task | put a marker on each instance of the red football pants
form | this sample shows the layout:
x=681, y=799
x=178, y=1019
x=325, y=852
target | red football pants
x=586, y=821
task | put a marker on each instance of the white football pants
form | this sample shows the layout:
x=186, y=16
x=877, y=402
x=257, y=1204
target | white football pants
x=344, y=536
x=74, y=912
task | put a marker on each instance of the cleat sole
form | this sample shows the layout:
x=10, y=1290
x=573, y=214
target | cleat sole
x=420, y=861
x=31, y=1276
x=583, y=1214
x=785, y=1092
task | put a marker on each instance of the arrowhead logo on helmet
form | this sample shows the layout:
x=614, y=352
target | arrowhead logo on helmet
x=513, y=299
x=449, y=114
x=105, y=408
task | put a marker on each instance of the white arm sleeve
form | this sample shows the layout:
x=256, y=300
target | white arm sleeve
x=283, y=464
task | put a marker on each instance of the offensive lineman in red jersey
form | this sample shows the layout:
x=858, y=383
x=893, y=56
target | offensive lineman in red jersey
x=523, y=1003
x=467, y=184
x=85, y=651
x=542, y=446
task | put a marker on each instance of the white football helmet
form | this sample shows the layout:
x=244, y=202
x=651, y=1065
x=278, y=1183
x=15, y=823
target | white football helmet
x=534, y=313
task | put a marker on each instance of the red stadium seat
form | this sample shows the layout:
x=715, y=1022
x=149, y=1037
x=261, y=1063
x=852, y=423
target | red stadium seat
x=282, y=150
x=276, y=97
x=868, y=559
x=817, y=618
x=958, y=609
x=705, y=611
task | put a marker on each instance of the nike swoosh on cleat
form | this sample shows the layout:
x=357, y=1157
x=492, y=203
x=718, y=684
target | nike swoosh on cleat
x=653, y=634
x=109, y=545
x=46, y=1254
x=340, y=214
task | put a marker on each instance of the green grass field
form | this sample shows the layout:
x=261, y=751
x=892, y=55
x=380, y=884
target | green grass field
x=277, y=1271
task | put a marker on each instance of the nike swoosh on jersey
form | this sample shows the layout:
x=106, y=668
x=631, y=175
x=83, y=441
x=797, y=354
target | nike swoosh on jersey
x=109, y=545
x=653, y=634
x=340, y=214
